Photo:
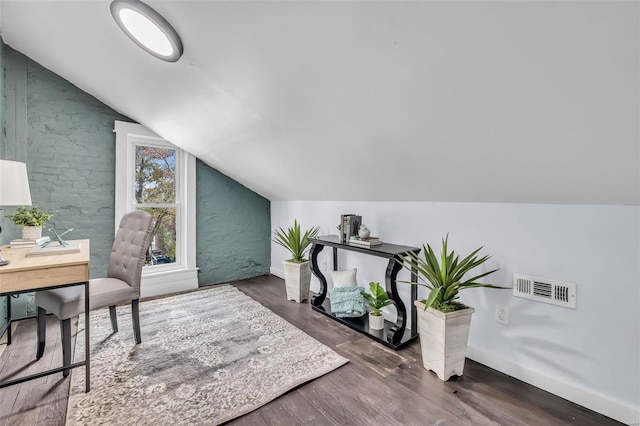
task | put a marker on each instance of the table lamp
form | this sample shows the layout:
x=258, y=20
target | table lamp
x=14, y=184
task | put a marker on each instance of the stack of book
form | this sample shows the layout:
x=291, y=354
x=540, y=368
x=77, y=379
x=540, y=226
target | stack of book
x=28, y=242
x=349, y=225
x=365, y=242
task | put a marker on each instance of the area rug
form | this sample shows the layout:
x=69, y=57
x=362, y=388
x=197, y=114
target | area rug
x=206, y=357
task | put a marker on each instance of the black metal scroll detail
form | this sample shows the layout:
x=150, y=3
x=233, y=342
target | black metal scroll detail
x=318, y=299
x=395, y=333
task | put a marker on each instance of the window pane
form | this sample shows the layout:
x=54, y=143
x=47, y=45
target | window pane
x=155, y=174
x=163, y=242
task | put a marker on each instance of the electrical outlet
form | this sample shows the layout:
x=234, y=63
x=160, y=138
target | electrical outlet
x=502, y=315
x=323, y=266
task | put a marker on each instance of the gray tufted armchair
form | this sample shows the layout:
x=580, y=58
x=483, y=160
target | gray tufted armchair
x=121, y=285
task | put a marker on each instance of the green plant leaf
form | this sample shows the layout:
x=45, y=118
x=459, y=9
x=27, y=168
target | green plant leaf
x=443, y=274
x=378, y=298
x=31, y=217
x=479, y=276
x=294, y=241
x=433, y=295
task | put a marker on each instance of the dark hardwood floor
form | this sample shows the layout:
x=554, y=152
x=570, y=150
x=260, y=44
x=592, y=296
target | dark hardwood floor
x=378, y=386
x=37, y=402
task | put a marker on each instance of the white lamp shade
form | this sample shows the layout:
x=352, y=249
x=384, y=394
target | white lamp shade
x=14, y=184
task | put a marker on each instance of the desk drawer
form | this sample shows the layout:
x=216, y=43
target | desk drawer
x=40, y=278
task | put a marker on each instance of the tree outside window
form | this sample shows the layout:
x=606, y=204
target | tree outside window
x=155, y=193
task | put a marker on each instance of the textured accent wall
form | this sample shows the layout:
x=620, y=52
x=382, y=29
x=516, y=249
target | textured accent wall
x=1, y=101
x=66, y=138
x=233, y=228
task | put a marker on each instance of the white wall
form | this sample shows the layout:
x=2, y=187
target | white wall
x=590, y=355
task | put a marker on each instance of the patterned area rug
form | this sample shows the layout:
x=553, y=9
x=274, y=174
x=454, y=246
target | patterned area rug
x=206, y=357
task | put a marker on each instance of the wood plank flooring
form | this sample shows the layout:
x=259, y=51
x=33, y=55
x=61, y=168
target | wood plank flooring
x=37, y=402
x=378, y=386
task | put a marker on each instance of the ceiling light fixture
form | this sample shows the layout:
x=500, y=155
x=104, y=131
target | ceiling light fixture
x=147, y=28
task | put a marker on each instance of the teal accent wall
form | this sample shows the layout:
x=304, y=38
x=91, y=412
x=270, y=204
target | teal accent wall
x=66, y=138
x=233, y=229
x=1, y=102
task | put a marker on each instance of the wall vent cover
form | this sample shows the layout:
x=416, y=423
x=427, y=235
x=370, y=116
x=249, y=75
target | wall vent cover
x=545, y=290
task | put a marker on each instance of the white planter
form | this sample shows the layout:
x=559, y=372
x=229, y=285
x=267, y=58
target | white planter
x=31, y=232
x=297, y=278
x=443, y=340
x=376, y=322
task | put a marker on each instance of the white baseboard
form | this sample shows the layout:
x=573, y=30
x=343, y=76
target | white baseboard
x=168, y=282
x=277, y=272
x=587, y=398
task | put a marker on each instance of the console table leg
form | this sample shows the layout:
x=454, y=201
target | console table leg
x=318, y=299
x=414, y=297
x=394, y=335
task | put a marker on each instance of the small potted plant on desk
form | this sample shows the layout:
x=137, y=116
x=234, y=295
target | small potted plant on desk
x=297, y=273
x=444, y=322
x=377, y=300
x=31, y=221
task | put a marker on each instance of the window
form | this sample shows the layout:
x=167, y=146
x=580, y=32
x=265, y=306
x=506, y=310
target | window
x=156, y=193
x=156, y=176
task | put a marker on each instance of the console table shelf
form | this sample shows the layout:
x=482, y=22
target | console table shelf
x=395, y=335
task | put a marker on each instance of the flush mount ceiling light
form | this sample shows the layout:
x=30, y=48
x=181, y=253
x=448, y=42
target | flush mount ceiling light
x=147, y=28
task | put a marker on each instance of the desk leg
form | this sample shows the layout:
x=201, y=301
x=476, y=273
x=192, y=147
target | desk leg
x=318, y=299
x=87, y=341
x=8, y=319
x=396, y=332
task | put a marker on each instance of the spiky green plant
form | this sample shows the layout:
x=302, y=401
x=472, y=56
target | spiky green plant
x=445, y=278
x=295, y=241
x=378, y=298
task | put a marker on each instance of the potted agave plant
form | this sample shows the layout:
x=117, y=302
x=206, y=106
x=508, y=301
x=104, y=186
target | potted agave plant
x=377, y=300
x=297, y=273
x=443, y=322
x=31, y=221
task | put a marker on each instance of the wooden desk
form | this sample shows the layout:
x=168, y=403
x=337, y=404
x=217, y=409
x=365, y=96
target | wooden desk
x=25, y=274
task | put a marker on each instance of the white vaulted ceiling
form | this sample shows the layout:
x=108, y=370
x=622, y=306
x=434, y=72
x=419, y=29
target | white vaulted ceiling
x=328, y=100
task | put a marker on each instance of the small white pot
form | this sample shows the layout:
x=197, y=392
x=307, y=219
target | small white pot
x=443, y=340
x=31, y=232
x=376, y=322
x=297, y=279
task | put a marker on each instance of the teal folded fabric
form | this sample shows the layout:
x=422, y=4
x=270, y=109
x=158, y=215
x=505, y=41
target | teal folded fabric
x=347, y=302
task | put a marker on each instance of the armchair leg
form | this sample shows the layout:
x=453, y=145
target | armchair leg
x=135, y=314
x=42, y=331
x=65, y=329
x=114, y=319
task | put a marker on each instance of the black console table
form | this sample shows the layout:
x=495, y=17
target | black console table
x=395, y=335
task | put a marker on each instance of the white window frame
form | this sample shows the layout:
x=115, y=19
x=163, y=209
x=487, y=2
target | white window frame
x=182, y=274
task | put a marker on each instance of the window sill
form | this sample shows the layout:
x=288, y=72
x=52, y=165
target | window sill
x=167, y=282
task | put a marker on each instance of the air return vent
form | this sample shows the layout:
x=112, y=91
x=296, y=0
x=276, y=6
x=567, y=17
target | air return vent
x=555, y=292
